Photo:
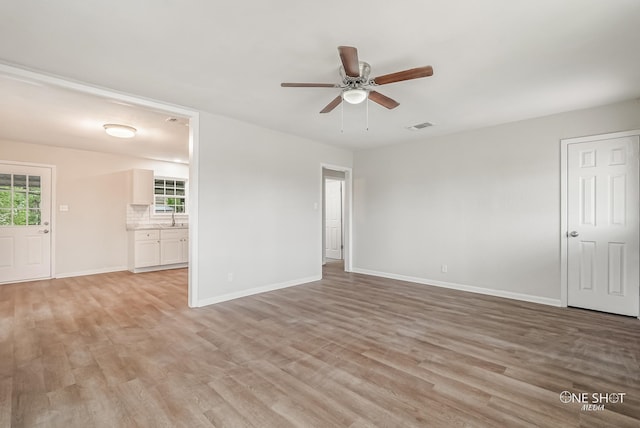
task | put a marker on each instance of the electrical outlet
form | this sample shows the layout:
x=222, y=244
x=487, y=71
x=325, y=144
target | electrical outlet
x=444, y=268
x=230, y=277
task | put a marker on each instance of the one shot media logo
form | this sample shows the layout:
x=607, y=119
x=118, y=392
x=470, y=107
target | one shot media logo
x=592, y=401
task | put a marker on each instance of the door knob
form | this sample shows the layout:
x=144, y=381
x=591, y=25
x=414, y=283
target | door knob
x=45, y=231
x=573, y=234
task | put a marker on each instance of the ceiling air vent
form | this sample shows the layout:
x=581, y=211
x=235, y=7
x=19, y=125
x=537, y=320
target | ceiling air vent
x=419, y=126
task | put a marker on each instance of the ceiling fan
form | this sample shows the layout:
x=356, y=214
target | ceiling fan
x=357, y=86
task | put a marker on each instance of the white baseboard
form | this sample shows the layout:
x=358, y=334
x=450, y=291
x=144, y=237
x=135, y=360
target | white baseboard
x=159, y=267
x=462, y=287
x=91, y=272
x=256, y=290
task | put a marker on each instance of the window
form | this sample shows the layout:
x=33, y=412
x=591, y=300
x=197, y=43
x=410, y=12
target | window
x=169, y=195
x=19, y=200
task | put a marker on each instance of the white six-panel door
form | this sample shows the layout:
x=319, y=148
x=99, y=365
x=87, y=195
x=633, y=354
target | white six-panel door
x=25, y=222
x=333, y=218
x=603, y=225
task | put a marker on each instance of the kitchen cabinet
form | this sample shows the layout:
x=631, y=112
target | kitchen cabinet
x=146, y=248
x=141, y=189
x=174, y=246
x=155, y=249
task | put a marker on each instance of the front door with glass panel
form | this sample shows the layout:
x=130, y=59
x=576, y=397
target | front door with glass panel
x=25, y=222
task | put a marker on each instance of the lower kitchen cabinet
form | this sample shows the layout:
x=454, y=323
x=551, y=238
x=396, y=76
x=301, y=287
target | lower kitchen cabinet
x=174, y=246
x=155, y=249
x=147, y=248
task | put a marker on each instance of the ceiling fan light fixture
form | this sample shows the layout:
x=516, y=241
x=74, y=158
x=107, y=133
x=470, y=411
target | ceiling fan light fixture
x=355, y=84
x=120, y=131
x=354, y=96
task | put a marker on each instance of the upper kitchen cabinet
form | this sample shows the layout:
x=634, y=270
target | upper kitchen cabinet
x=141, y=192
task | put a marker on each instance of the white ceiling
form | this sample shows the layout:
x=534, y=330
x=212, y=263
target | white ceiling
x=39, y=113
x=494, y=61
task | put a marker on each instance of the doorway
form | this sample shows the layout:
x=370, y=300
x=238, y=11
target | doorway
x=174, y=110
x=333, y=214
x=25, y=222
x=336, y=215
x=600, y=219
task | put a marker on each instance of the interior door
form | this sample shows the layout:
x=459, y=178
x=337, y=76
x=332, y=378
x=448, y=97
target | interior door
x=25, y=217
x=333, y=219
x=603, y=241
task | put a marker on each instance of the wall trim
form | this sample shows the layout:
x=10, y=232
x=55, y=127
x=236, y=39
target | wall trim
x=193, y=201
x=160, y=267
x=91, y=272
x=20, y=281
x=463, y=287
x=257, y=290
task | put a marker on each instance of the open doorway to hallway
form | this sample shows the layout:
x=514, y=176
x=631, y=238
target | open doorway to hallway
x=336, y=204
x=333, y=215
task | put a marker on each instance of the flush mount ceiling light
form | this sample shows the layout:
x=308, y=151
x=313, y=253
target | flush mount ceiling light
x=120, y=131
x=354, y=96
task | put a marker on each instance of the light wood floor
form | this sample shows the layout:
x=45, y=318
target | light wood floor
x=123, y=350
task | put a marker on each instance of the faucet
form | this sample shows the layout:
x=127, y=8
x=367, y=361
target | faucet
x=173, y=218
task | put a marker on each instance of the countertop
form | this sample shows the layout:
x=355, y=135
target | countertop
x=156, y=226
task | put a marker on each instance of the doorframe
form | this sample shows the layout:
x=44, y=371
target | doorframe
x=53, y=228
x=347, y=232
x=564, y=202
x=194, y=144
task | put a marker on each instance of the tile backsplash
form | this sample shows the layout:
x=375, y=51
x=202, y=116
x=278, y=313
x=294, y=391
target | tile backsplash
x=141, y=215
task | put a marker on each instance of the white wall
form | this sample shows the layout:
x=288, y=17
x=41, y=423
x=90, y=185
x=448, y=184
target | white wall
x=486, y=203
x=256, y=214
x=91, y=237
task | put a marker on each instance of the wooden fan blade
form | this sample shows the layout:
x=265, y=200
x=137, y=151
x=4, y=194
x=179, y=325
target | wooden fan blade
x=383, y=100
x=414, y=73
x=349, y=58
x=333, y=104
x=309, y=85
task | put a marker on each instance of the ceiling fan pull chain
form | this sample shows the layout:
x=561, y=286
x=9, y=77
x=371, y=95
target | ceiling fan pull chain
x=342, y=117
